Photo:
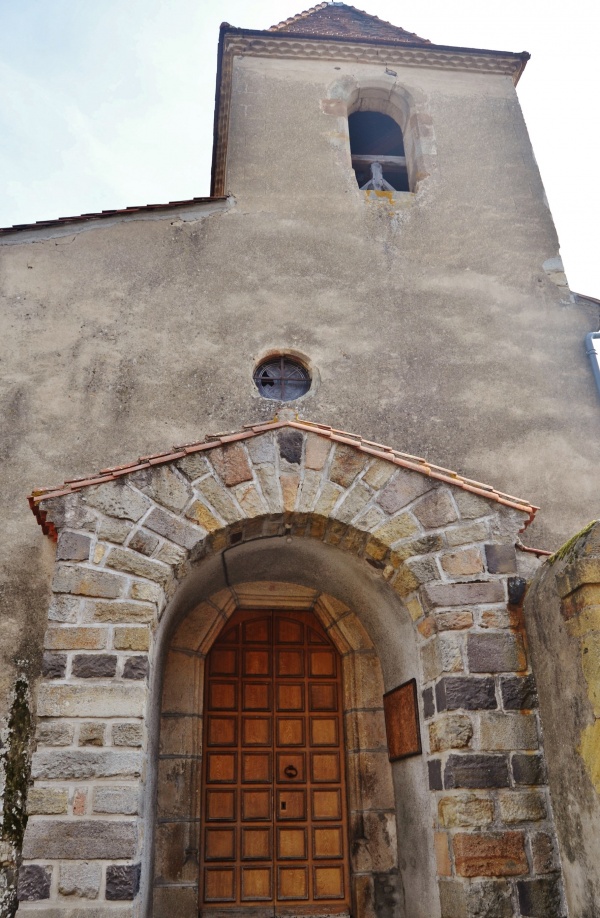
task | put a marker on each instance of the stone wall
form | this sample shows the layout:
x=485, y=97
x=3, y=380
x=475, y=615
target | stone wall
x=134, y=549
x=563, y=623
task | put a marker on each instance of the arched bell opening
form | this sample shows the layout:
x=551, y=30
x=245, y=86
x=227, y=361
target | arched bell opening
x=387, y=843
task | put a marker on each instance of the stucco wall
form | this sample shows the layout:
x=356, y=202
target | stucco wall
x=430, y=320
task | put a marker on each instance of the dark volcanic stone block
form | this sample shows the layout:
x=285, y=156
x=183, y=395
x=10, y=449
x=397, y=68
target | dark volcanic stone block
x=519, y=693
x=476, y=771
x=528, y=769
x=471, y=693
x=122, y=881
x=94, y=666
x=34, y=883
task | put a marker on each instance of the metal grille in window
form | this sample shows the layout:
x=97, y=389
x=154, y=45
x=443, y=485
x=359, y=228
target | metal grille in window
x=282, y=379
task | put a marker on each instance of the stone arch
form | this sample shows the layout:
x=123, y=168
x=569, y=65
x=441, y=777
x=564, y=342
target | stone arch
x=141, y=546
x=390, y=97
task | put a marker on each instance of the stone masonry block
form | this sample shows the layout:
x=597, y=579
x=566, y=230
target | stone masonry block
x=430, y=660
x=489, y=899
x=79, y=839
x=347, y=463
x=47, y=801
x=501, y=559
x=434, y=768
x=80, y=764
x=116, y=799
x=508, y=731
x=58, y=700
x=122, y=559
x=116, y=612
x=80, y=879
x=75, y=638
x=92, y=734
x=543, y=853
x=518, y=693
x=117, y=499
x=541, y=898
x=472, y=694
x=122, y=881
x=495, y=653
x=194, y=466
x=465, y=533
x=85, y=581
x=450, y=651
x=143, y=542
x=73, y=546
x=34, y=882
x=454, y=621
x=490, y=855
x=54, y=733
x=471, y=505
x=94, y=666
x=290, y=443
x=136, y=667
x=466, y=810
x=54, y=665
x=111, y=530
x=463, y=594
x=435, y=509
x=64, y=608
x=428, y=703
x=522, y=806
x=262, y=448
x=476, y=771
x=528, y=769
x=131, y=639
x=402, y=490
x=218, y=497
x=127, y=734
x=453, y=899
x=317, y=451
x=200, y=514
x=462, y=563
x=353, y=503
x=399, y=527
x=231, y=463
x=452, y=731
x=176, y=530
x=166, y=487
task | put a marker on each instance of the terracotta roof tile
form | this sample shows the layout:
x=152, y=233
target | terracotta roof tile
x=103, y=214
x=343, y=21
x=404, y=460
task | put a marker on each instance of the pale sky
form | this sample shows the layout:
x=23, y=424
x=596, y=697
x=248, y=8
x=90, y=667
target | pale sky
x=109, y=103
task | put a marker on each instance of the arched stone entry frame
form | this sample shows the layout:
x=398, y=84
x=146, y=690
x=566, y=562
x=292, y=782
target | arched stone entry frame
x=140, y=546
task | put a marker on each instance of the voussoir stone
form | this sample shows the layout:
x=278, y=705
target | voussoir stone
x=174, y=529
x=79, y=839
x=85, y=763
x=117, y=499
x=402, y=490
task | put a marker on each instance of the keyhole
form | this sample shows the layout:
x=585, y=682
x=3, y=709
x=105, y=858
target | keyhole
x=283, y=805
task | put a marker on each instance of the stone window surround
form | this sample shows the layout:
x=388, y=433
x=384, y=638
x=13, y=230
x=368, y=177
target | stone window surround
x=425, y=538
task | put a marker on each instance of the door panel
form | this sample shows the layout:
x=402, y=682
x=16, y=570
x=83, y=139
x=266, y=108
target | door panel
x=275, y=838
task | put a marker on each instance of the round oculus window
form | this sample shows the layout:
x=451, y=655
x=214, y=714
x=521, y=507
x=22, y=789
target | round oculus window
x=282, y=379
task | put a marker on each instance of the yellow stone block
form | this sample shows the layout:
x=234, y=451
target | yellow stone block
x=589, y=750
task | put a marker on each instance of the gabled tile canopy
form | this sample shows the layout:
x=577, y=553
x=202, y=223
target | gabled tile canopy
x=41, y=496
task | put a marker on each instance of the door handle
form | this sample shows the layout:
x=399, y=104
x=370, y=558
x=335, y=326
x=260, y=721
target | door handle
x=290, y=771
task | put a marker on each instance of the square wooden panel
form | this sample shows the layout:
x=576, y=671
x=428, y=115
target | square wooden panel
x=222, y=696
x=324, y=731
x=257, y=631
x=322, y=663
x=291, y=844
x=257, y=663
x=288, y=631
x=290, y=663
x=219, y=844
x=324, y=767
x=290, y=696
x=221, y=767
x=291, y=766
x=401, y=710
x=291, y=804
x=222, y=731
x=290, y=731
x=223, y=662
x=256, y=696
x=219, y=884
x=220, y=805
x=326, y=804
x=292, y=883
x=256, y=731
x=256, y=768
x=256, y=805
x=328, y=842
x=257, y=844
x=257, y=884
x=328, y=882
x=323, y=696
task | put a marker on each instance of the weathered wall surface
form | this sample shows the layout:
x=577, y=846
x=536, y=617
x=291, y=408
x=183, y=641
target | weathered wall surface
x=431, y=321
x=562, y=613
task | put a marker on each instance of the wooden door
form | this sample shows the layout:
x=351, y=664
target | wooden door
x=274, y=825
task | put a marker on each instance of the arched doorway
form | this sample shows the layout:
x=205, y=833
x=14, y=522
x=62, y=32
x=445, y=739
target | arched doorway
x=274, y=814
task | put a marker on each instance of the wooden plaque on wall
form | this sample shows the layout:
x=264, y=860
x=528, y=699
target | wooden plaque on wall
x=401, y=710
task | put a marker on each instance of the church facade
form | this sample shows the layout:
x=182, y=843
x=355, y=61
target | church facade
x=269, y=660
